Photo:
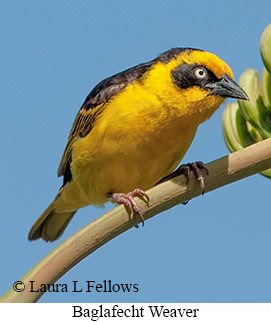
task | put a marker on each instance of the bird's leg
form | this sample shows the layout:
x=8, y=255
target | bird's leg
x=196, y=168
x=128, y=201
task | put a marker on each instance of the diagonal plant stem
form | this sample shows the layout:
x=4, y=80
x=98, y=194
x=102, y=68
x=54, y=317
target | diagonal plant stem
x=231, y=168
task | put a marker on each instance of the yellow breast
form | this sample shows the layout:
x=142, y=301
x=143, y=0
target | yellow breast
x=141, y=136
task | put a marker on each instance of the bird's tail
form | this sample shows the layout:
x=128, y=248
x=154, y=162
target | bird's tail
x=50, y=225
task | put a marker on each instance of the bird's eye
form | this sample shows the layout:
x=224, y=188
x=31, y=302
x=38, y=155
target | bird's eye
x=200, y=73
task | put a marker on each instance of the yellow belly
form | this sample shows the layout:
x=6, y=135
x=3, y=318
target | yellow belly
x=140, y=137
x=129, y=151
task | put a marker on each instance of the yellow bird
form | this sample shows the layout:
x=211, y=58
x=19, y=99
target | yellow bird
x=133, y=130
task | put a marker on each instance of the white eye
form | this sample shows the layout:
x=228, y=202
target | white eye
x=200, y=73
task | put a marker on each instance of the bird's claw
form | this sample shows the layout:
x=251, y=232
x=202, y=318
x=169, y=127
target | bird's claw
x=129, y=202
x=196, y=168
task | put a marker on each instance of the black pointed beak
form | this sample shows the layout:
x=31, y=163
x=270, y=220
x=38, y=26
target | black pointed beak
x=226, y=87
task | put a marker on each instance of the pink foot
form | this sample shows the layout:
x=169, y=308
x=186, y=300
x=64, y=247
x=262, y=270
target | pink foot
x=196, y=168
x=128, y=200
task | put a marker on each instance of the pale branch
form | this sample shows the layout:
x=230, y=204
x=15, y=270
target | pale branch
x=238, y=165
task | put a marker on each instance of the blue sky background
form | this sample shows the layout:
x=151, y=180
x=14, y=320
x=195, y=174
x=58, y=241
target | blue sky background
x=215, y=249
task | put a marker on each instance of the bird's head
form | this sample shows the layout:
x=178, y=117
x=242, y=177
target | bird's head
x=208, y=72
x=199, y=79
